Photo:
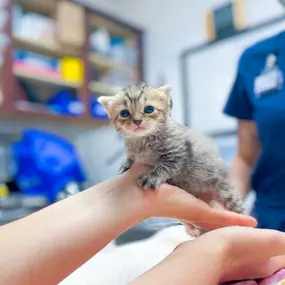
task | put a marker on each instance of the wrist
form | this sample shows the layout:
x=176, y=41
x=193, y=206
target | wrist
x=123, y=197
x=215, y=253
x=192, y=262
x=220, y=252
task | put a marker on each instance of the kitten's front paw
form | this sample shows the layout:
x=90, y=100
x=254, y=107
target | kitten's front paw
x=149, y=181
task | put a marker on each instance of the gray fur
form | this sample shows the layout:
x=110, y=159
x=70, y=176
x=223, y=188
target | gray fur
x=180, y=157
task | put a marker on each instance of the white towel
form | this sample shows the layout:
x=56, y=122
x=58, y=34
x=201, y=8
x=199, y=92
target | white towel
x=121, y=265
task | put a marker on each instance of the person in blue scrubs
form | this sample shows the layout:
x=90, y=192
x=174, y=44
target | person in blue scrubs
x=257, y=100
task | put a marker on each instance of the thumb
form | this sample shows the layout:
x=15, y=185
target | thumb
x=260, y=244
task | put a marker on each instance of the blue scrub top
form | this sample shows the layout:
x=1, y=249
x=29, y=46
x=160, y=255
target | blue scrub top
x=268, y=112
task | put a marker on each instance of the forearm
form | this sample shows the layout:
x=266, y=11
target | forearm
x=204, y=265
x=241, y=172
x=47, y=246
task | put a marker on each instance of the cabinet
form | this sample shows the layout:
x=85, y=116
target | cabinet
x=108, y=51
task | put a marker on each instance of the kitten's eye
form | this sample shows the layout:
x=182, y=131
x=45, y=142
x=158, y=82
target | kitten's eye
x=148, y=109
x=125, y=113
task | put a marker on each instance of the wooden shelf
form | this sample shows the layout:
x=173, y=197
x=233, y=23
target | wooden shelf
x=101, y=60
x=96, y=21
x=43, y=6
x=103, y=88
x=105, y=62
x=51, y=80
x=36, y=108
x=33, y=111
x=44, y=47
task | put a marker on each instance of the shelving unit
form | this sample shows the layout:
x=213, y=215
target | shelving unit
x=97, y=66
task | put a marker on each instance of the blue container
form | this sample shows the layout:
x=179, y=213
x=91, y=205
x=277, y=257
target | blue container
x=65, y=103
x=45, y=164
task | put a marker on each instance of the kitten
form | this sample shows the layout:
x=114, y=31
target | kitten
x=179, y=156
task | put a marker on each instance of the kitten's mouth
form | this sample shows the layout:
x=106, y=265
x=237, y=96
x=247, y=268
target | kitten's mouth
x=139, y=129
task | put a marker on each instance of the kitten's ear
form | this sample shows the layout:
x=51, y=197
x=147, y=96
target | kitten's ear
x=105, y=101
x=166, y=89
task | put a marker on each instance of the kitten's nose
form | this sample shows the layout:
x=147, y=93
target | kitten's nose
x=137, y=122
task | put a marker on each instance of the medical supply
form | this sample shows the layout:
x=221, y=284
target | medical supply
x=34, y=26
x=35, y=62
x=65, y=102
x=72, y=69
x=99, y=41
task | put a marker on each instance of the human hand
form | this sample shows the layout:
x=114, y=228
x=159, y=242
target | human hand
x=172, y=202
x=241, y=253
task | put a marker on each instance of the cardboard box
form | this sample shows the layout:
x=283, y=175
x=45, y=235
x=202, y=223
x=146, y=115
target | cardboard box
x=71, y=24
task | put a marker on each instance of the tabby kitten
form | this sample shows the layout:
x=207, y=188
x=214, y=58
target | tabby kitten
x=178, y=155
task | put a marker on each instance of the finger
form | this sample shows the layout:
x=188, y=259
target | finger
x=184, y=206
x=204, y=226
x=209, y=227
x=214, y=218
x=222, y=217
x=257, y=269
x=275, y=264
x=263, y=244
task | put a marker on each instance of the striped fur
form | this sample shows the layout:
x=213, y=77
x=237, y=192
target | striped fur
x=177, y=154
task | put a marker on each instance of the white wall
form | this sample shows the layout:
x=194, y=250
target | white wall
x=170, y=27
x=217, y=67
